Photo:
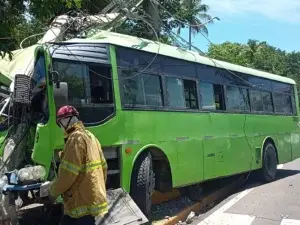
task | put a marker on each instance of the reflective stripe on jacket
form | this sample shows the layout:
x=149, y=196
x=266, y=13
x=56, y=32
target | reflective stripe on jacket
x=82, y=175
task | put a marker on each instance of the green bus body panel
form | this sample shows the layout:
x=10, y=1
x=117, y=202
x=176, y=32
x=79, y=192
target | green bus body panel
x=295, y=138
x=3, y=135
x=199, y=146
x=45, y=133
x=205, y=149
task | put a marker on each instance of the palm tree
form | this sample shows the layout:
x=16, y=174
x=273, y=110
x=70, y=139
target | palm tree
x=253, y=47
x=196, y=17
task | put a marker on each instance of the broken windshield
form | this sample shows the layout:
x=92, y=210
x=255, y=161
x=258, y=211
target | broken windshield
x=39, y=74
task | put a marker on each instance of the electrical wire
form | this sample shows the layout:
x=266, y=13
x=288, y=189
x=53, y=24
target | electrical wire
x=15, y=148
x=244, y=127
x=54, y=26
x=28, y=124
x=140, y=72
x=4, y=164
x=245, y=97
x=43, y=44
x=7, y=38
x=220, y=65
x=245, y=116
x=176, y=18
x=31, y=36
x=156, y=56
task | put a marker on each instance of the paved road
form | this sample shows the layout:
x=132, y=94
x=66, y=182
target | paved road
x=276, y=203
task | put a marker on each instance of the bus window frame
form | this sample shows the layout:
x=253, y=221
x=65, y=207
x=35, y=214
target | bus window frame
x=285, y=114
x=182, y=78
x=219, y=76
x=139, y=106
x=59, y=60
x=248, y=98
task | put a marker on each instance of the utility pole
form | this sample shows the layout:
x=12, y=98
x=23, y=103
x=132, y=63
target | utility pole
x=151, y=8
x=200, y=25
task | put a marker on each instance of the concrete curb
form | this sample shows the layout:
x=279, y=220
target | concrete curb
x=206, y=201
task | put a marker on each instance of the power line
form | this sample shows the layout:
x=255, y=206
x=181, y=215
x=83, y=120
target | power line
x=181, y=20
x=135, y=17
x=215, y=61
x=7, y=38
x=245, y=97
x=130, y=16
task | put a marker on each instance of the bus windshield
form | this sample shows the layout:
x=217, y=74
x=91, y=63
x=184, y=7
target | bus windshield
x=89, y=88
x=39, y=74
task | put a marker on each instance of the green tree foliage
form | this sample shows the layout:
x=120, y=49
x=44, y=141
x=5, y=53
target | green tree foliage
x=26, y=29
x=259, y=55
x=230, y=52
x=173, y=15
x=20, y=19
x=195, y=13
x=293, y=67
x=46, y=10
x=10, y=15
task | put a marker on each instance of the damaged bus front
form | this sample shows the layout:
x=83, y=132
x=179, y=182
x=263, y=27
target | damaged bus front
x=76, y=74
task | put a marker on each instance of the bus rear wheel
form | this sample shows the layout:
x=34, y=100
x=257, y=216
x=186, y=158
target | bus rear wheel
x=269, y=167
x=143, y=182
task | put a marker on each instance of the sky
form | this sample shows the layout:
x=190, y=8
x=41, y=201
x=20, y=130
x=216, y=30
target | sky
x=274, y=21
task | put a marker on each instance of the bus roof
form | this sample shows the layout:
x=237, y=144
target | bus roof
x=175, y=52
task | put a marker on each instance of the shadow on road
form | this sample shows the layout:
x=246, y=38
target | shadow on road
x=251, y=182
x=178, y=204
x=281, y=174
x=284, y=173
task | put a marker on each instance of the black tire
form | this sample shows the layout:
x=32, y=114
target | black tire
x=142, y=183
x=269, y=167
x=195, y=192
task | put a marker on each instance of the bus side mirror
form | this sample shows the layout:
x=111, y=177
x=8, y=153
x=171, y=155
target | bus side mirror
x=55, y=78
x=61, y=94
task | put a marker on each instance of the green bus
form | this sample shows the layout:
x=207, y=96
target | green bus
x=165, y=117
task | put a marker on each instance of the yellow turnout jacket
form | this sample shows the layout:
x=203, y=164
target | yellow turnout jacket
x=82, y=175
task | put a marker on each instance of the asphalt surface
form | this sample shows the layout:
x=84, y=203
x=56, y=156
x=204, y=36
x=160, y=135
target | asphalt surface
x=276, y=203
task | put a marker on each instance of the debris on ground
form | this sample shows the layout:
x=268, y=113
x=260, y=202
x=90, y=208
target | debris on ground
x=190, y=218
x=170, y=209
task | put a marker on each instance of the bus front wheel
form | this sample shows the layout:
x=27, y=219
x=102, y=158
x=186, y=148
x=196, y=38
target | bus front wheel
x=143, y=182
x=269, y=167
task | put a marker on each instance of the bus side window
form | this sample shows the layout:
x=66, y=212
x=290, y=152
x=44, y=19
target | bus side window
x=207, y=96
x=175, y=92
x=212, y=96
x=190, y=93
x=256, y=101
x=219, y=97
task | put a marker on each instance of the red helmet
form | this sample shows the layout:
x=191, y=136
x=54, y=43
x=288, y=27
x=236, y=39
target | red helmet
x=66, y=111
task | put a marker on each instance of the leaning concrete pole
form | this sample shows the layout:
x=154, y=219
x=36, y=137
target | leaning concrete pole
x=152, y=10
x=56, y=33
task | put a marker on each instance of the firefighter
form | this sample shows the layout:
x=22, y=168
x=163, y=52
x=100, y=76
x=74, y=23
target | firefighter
x=82, y=172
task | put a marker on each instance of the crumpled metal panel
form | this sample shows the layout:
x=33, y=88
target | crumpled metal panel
x=122, y=210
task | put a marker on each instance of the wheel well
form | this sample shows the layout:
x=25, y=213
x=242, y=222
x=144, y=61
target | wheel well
x=270, y=140
x=161, y=169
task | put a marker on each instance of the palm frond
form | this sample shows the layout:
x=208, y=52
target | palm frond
x=204, y=30
x=203, y=8
x=178, y=30
x=205, y=17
